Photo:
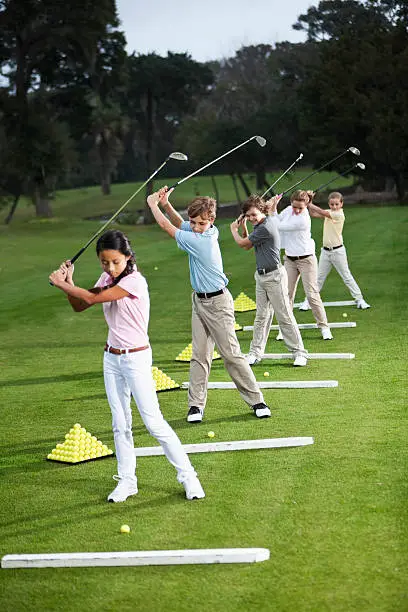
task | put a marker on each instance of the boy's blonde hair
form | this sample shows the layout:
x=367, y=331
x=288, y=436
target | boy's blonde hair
x=202, y=206
x=299, y=195
x=336, y=195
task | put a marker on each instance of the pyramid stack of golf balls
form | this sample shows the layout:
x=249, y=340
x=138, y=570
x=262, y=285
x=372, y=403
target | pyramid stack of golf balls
x=162, y=381
x=243, y=303
x=79, y=445
x=187, y=353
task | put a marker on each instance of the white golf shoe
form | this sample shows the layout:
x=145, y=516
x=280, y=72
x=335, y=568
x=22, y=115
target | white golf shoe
x=300, y=361
x=251, y=359
x=124, y=489
x=326, y=333
x=193, y=488
x=362, y=304
x=304, y=305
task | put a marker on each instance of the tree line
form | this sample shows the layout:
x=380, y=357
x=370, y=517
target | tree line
x=76, y=109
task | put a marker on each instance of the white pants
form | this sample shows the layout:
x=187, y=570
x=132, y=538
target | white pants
x=272, y=297
x=131, y=375
x=338, y=260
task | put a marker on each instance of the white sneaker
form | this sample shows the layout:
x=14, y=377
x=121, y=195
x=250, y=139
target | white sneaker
x=362, y=304
x=300, y=361
x=251, y=359
x=279, y=336
x=124, y=489
x=195, y=415
x=326, y=333
x=261, y=410
x=193, y=488
x=304, y=305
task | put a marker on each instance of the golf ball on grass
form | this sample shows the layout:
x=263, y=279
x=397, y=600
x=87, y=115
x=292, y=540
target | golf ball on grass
x=211, y=434
x=125, y=529
x=266, y=374
x=345, y=315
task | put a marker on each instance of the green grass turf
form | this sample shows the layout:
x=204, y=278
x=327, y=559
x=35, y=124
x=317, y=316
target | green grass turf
x=88, y=202
x=333, y=514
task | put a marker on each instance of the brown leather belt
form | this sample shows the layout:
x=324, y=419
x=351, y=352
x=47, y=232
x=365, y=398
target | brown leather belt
x=115, y=351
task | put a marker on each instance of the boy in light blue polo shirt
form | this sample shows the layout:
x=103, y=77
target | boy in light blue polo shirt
x=213, y=320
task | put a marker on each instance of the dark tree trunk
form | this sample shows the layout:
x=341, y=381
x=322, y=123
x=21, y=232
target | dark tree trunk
x=244, y=185
x=400, y=186
x=234, y=181
x=260, y=178
x=12, y=210
x=106, y=183
x=42, y=202
x=214, y=184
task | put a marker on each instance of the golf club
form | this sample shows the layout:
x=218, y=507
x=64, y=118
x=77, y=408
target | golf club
x=359, y=165
x=282, y=175
x=259, y=139
x=353, y=150
x=175, y=155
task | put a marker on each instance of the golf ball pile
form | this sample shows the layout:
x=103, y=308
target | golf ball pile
x=243, y=303
x=162, y=381
x=80, y=445
x=187, y=353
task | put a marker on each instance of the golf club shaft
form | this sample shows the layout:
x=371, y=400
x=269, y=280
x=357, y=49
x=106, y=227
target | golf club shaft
x=113, y=217
x=211, y=163
x=281, y=176
x=316, y=171
x=335, y=178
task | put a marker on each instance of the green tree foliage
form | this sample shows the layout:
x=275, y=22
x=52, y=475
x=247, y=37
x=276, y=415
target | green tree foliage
x=41, y=42
x=357, y=92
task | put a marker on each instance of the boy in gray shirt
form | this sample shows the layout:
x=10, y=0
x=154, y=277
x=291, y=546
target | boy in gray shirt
x=271, y=279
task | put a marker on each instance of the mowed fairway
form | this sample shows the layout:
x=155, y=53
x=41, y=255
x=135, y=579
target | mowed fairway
x=332, y=514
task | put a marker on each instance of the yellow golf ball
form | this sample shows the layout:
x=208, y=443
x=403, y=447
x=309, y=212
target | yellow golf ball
x=345, y=315
x=211, y=434
x=266, y=373
x=125, y=529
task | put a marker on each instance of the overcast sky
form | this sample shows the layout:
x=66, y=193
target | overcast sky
x=208, y=29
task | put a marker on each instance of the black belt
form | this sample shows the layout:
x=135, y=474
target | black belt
x=209, y=295
x=332, y=248
x=295, y=257
x=262, y=271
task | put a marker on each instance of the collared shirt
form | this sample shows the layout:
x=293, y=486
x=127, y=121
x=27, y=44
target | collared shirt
x=266, y=240
x=127, y=318
x=295, y=231
x=204, y=257
x=333, y=229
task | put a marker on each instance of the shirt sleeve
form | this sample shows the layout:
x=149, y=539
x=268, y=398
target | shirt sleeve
x=294, y=223
x=132, y=284
x=101, y=282
x=185, y=226
x=336, y=215
x=259, y=235
x=188, y=241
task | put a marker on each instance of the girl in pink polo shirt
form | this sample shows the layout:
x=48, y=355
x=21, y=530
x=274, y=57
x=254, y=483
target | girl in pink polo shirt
x=123, y=293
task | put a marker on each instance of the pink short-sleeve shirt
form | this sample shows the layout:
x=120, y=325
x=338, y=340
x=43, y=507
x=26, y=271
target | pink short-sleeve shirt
x=127, y=318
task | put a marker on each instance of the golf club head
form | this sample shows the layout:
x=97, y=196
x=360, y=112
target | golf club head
x=361, y=165
x=300, y=157
x=179, y=156
x=260, y=140
x=354, y=150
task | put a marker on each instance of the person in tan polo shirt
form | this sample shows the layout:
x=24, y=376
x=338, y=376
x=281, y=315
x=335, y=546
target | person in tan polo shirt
x=333, y=253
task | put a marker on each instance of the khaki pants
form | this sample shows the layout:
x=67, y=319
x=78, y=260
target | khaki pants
x=272, y=297
x=213, y=323
x=338, y=260
x=307, y=269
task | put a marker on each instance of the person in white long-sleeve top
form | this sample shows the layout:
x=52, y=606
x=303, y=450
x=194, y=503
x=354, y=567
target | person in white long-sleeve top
x=300, y=260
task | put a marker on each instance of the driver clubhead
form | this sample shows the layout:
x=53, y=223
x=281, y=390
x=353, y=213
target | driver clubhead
x=179, y=156
x=260, y=140
x=361, y=165
x=354, y=150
